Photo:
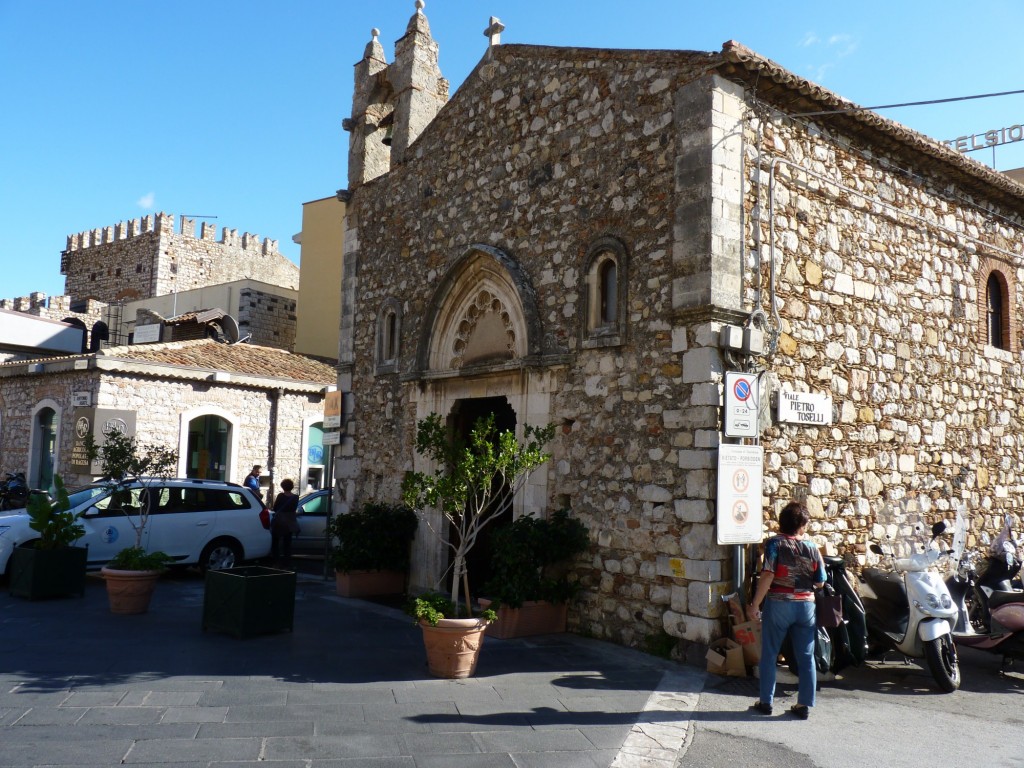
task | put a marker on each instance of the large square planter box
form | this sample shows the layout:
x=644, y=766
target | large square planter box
x=247, y=601
x=370, y=583
x=534, y=617
x=43, y=573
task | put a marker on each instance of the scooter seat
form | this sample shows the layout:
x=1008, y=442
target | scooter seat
x=1003, y=598
x=833, y=561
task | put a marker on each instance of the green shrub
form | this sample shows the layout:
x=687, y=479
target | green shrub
x=57, y=527
x=431, y=607
x=530, y=557
x=376, y=537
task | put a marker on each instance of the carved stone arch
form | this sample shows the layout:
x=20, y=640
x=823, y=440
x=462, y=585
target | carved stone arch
x=484, y=311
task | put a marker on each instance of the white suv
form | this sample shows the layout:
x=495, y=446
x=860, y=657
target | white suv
x=208, y=523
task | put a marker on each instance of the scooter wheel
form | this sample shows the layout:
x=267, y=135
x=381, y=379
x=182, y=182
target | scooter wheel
x=941, y=656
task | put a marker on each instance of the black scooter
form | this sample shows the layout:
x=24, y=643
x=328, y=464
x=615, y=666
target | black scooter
x=13, y=491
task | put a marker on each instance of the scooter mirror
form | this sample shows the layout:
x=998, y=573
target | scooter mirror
x=876, y=549
x=938, y=528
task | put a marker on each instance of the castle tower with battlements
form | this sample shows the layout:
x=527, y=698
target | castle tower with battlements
x=144, y=258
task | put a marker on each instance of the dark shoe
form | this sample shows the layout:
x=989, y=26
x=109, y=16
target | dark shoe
x=761, y=708
x=799, y=711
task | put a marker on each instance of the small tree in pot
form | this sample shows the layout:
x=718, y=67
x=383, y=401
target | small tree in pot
x=474, y=481
x=126, y=467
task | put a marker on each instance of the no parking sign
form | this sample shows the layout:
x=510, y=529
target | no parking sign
x=742, y=401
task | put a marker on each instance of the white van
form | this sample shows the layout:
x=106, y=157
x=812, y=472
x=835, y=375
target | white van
x=208, y=523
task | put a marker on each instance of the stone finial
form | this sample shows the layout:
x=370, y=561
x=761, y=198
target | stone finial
x=494, y=31
x=374, y=50
x=418, y=22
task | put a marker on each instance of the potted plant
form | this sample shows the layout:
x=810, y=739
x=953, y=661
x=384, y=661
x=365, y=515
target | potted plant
x=372, y=552
x=452, y=643
x=530, y=587
x=473, y=483
x=50, y=566
x=132, y=574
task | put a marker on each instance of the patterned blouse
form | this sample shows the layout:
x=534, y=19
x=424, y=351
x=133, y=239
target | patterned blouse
x=797, y=566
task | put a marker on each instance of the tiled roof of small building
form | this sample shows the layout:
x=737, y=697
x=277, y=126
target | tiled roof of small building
x=192, y=359
x=247, y=359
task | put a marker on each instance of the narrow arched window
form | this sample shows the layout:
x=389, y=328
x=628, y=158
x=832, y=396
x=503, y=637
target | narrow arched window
x=389, y=329
x=609, y=289
x=996, y=311
x=605, y=294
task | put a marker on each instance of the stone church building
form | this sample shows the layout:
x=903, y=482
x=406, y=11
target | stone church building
x=565, y=239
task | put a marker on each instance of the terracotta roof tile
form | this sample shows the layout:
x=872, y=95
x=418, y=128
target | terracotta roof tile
x=247, y=359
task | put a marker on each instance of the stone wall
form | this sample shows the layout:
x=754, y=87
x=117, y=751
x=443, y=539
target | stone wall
x=881, y=277
x=268, y=317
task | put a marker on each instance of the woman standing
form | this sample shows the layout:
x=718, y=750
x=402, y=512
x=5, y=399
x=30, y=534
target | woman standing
x=792, y=570
x=284, y=524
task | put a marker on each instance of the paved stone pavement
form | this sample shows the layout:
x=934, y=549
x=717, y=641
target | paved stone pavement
x=348, y=687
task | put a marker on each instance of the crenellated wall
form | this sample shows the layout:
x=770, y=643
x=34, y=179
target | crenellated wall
x=142, y=258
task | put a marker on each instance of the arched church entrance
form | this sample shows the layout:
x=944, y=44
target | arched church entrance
x=480, y=352
x=464, y=415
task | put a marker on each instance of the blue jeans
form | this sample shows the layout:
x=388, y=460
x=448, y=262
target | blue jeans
x=797, y=618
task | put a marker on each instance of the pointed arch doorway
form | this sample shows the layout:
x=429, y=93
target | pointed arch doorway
x=464, y=415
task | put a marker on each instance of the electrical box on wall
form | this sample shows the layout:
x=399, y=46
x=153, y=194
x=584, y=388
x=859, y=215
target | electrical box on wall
x=753, y=341
x=731, y=337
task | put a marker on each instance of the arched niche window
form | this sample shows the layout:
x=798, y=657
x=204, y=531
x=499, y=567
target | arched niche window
x=997, y=311
x=605, y=291
x=389, y=333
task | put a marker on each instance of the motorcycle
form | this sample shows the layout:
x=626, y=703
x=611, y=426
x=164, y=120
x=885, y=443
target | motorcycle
x=13, y=491
x=842, y=646
x=910, y=610
x=991, y=609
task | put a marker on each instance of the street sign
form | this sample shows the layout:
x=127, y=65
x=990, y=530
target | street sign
x=332, y=438
x=332, y=410
x=740, y=513
x=805, y=408
x=741, y=404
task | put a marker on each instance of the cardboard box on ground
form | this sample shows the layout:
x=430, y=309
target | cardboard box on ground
x=725, y=657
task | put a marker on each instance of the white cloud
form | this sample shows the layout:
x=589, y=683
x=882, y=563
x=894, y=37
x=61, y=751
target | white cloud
x=809, y=39
x=843, y=44
x=146, y=201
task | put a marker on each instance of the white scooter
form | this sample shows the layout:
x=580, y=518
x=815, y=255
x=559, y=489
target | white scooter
x=909, y=609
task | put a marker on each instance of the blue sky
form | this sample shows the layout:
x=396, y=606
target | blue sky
x=116, y=109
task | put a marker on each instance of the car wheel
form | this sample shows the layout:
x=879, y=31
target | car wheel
x=220, y=554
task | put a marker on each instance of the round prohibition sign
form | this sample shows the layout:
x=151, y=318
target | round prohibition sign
x=740, y=481
x=740, y=512
x=741, y=389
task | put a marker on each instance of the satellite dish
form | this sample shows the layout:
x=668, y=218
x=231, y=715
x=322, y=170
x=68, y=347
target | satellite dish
x=230, y=326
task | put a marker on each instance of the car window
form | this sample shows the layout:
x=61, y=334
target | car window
x=317, y=505
x=124, y=501
x=82, y=495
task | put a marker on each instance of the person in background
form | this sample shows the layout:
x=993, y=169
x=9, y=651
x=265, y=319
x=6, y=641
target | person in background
x=284, y=525
x=792, y=570
x=252, y=481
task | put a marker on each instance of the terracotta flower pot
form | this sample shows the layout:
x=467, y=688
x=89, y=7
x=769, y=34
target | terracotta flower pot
x=453, y=646
x=129, y=591
x=534, y=617
x=369, y=583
